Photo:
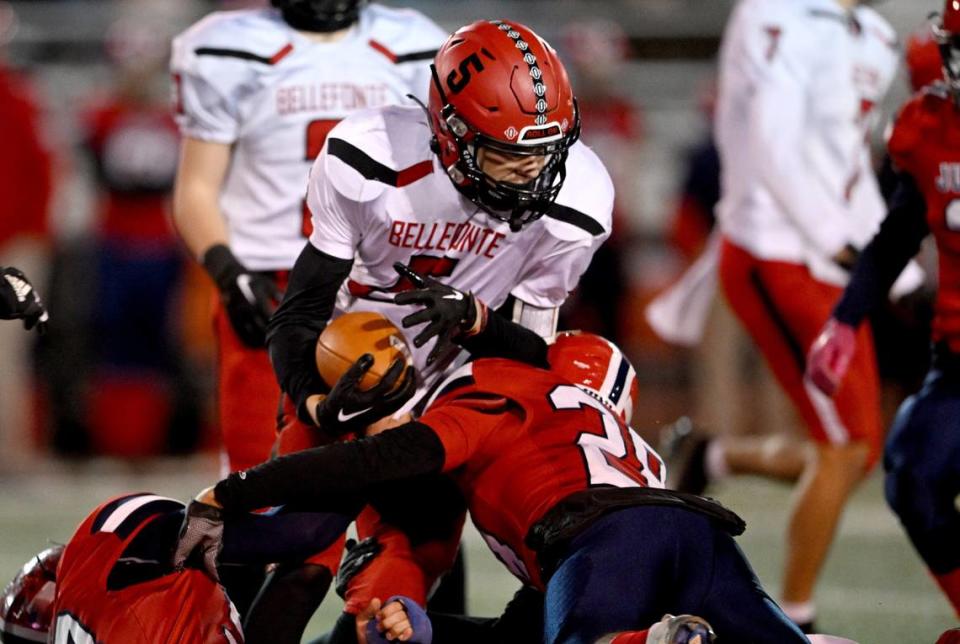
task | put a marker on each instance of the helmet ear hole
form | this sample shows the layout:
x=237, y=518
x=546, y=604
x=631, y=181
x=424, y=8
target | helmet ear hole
x=26, y=604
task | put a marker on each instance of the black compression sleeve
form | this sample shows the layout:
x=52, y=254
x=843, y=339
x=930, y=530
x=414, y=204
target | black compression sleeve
x=887, y=253
x=282, y=535
x=324, y=478
x=504, y=338
x=305, y=310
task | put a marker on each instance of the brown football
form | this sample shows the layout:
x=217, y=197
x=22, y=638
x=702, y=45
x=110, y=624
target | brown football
x=353, y=334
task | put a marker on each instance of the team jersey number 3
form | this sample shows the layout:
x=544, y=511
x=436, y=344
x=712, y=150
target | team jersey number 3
x=317, y=132
x=617, y=455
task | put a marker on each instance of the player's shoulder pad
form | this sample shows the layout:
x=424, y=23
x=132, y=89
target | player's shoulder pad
x=876, y=26
x=122, y=515
x=231, y=44
x=459, y=380
x=372, y=150
x=921, y=116
x=583, y=210
x=486, y=385
x=402, y=35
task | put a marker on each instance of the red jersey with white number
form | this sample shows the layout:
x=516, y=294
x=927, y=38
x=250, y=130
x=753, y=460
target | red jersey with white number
x=926, y=145
x=248, y=79
x=99, y=600
x=518, y=440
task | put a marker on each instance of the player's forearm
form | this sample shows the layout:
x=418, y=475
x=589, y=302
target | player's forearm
x=304, y=312
x=197, y=217
x=885, y=257
x=324, y=478
x=504, y=338
x=196, y=195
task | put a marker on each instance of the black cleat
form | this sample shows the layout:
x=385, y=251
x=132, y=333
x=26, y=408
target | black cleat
x=684, y=447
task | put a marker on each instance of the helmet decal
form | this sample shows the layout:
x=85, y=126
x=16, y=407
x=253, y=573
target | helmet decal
x=539, y=88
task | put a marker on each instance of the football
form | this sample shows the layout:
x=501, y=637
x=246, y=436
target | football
x=353, y=334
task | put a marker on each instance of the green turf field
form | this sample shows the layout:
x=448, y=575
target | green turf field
x=874, y=589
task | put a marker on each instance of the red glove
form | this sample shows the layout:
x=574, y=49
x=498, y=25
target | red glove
x=830, y=355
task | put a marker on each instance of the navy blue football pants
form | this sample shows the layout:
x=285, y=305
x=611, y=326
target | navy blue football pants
x=922, y=464
x=632, y=566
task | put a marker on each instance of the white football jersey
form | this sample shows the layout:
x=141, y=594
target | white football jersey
x=791, y=124
x=876, y=56
x=248, y=79
x=379, y=195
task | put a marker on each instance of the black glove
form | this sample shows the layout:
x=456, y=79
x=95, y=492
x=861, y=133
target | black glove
x=20, y=301
x=355, y=558
x=847, y=257
x=450, y=312
x=201, y=533
x=347, y=408
x=250, y=298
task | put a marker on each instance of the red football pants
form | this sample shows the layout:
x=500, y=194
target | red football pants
x=783, y=308
x=399, y=568
x=251, y=414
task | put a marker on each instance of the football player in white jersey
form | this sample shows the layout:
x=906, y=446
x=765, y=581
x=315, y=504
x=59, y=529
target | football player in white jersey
x=256, y=93
x=486, y=193
x=486, y=200
x=798, y=83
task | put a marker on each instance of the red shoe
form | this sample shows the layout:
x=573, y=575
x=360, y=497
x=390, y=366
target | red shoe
x=950, y=637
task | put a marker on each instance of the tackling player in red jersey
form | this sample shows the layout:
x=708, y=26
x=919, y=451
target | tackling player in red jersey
x=113, y=582
x=566, y=495
x=922, y=458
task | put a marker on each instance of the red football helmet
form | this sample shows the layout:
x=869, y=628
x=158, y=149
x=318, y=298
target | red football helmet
x=498, y=85
x=597, y=366
x=26, y=606
x=947, y=35
x=924, y=63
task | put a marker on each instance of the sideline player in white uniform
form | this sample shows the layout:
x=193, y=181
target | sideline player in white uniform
x=257, y=91
x=798, y=83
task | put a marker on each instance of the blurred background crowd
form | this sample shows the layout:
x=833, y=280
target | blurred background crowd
x=87, y=164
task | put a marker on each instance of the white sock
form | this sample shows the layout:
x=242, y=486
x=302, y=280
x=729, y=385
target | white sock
x=799, y=612
x=715, y=461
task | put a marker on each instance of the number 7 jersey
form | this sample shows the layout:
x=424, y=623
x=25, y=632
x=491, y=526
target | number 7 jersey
x=247, y=79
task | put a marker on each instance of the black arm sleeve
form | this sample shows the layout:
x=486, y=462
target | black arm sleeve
x=304, y=312
x=281, y=535
x=504, y=338
x=887, y=253
x=324, y=478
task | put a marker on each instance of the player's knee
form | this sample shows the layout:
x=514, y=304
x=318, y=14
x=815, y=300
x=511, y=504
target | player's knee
x=847, y=463
x=907, y=491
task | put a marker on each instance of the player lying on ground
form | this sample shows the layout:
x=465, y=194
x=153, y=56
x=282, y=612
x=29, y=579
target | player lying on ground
x=564, y=492
x=113, y=582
